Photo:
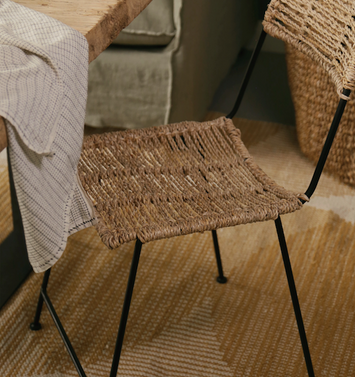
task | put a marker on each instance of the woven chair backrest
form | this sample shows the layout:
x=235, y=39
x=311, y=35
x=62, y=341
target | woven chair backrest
x=324, y=30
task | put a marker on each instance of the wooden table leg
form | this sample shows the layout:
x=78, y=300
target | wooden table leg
x=14, y=263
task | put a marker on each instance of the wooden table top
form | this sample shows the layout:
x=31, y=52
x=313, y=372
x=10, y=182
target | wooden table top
x=100, y=21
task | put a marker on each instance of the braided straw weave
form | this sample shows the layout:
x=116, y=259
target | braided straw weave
x=324, y=30
x=176, y=179
x=315, y=102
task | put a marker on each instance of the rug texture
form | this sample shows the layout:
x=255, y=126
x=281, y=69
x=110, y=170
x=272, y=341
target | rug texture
x=182, y=322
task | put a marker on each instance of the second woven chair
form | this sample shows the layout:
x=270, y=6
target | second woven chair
x=194, y=177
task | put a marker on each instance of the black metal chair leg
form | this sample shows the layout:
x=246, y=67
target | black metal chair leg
x=295, y=302
x=35, y=325
x=248, y=74
x=221, y=278
x=125, y=310
x=327, y=144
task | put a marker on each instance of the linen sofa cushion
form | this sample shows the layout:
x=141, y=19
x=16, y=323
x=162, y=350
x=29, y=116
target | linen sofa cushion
x=142, y=86
x=154, y=26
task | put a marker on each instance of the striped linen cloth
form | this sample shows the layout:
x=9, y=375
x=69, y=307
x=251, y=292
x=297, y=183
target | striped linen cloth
x=43, y=91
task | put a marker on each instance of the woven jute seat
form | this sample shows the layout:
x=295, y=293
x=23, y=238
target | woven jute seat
x=193, y=177
x=176, y=179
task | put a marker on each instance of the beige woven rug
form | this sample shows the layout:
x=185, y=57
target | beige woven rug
x=183, y=323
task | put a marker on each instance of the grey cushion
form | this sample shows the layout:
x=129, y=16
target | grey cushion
x=139, y=87
x=154, y=26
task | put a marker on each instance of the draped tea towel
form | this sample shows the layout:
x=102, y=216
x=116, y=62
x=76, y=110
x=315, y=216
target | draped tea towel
x=43, y=90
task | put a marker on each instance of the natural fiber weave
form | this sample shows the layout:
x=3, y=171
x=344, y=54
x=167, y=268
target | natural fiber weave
x=322, y=29
x=176, y=179
x=182, y=322
x=315, y=103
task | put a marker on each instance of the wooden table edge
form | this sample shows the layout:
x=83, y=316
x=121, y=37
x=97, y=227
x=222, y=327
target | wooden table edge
x=101, y=36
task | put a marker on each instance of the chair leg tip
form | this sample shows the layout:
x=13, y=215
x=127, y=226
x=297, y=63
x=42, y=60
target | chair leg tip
x=222, y=279
x=35, y=326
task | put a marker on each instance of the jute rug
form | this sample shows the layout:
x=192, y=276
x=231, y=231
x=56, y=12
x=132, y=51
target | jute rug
x=183, y=323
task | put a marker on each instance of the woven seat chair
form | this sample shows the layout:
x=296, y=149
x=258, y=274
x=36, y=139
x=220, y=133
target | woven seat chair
x=194, y=177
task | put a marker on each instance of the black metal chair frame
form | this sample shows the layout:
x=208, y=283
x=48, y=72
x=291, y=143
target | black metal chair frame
x=221, y=278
